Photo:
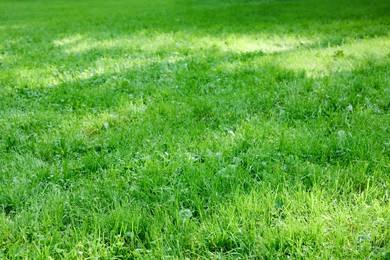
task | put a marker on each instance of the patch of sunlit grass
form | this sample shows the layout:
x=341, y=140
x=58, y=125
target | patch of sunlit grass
x=345, y=57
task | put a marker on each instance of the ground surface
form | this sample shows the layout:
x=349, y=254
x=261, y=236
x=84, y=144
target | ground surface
x=200, y=129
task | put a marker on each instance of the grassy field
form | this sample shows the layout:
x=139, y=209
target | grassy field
x=216, y=129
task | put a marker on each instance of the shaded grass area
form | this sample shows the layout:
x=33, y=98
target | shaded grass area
x=218, y=129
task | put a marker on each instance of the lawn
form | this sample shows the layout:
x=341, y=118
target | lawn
x=200, y=129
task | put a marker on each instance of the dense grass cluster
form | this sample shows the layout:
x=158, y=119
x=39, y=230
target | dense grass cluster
x=200, y=129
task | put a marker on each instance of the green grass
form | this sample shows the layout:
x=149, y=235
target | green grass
x=194, y=129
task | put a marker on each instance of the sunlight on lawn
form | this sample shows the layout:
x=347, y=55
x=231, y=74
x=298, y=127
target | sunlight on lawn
x=68, y=41
x=254, y=43
x=152, y=42
x=145, y=48
x=117, y=55
x=194, y=129
x=322, y=62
